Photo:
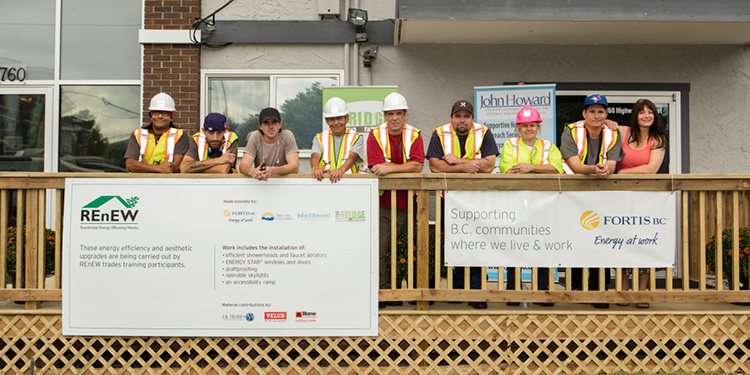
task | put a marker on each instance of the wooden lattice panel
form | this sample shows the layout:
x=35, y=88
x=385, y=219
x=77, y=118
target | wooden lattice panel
x=407, y=344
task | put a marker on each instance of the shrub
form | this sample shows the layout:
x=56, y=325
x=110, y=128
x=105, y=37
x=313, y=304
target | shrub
x=402, y=267
x=49, y=251
x=726, y=241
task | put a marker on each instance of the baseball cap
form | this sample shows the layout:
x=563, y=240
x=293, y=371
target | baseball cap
x=269, y=113
x=464, y=105
x=595, y=99
x=215, y=122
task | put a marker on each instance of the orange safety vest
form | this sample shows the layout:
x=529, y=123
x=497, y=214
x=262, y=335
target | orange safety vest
x=328, y=160
x=408, y=136
x=546, y=146
x=154, y=153
x=473, y=146
x=200, y=140
x=579, y=132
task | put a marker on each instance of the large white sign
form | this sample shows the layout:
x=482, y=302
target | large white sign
x=560, y=229
x=220, y=257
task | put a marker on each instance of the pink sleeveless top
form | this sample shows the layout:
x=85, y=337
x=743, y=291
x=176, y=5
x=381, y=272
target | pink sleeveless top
x=634, y=158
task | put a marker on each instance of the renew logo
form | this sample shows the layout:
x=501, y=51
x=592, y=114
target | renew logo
x=93, y=212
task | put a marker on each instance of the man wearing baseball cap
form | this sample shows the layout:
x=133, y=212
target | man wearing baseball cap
x=589, y=147
x=213, y=150
x=271, y=150
x=463, y=146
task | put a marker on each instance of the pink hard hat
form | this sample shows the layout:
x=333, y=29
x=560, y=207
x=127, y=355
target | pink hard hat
x=528, y=114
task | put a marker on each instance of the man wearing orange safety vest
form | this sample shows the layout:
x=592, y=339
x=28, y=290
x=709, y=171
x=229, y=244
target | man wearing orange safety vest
x=463, y=146
x=159, y=146
x=589, y=147
x=213, y=150
x=338, y=150
x=393, y=147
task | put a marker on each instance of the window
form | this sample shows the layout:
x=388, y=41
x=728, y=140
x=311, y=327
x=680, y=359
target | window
x=95, y=125
x=28, y=30
x=100, y=39
x=297, y=95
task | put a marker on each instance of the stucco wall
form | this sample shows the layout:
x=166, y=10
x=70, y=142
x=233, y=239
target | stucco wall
x=433, y=76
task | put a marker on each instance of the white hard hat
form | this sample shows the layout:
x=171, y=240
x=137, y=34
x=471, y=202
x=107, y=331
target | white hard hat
x=394, y=101
x=335, y=107
x=161, y=102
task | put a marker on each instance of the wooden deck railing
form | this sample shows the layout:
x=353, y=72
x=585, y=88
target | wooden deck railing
x=709, y=204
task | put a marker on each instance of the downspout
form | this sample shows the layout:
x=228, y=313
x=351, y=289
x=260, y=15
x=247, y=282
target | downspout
x=347, y=51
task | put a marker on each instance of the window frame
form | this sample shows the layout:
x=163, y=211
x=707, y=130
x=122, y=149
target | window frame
x=272, y=75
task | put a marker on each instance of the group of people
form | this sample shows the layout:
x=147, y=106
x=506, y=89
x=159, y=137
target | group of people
x=594, y=146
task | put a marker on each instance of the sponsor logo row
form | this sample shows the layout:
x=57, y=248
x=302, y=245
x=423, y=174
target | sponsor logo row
x=273, y=316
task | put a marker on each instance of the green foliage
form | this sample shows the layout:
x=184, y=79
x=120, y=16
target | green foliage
x=726, y=241
x=303, y=115
x=132, y=201
x=243, y=129
x=402, y=257
x=49, y=251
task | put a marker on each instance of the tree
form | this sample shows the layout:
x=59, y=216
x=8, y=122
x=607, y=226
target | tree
x=302, y=114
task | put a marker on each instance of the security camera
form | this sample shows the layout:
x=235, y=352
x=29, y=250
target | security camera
x=368, y=56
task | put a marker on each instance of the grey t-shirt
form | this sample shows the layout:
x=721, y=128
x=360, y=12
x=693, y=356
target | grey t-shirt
x=274, y=154
x=358, y=147
x=568, y=148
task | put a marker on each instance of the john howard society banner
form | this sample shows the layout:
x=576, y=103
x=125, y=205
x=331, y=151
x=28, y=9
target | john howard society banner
x=551, y=229
x=211, y=257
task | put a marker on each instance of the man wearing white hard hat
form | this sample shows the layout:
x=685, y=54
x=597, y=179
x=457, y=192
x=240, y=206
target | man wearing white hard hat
x=393, y=147
x=157, y=147
x=213, y=150
x=338, y=150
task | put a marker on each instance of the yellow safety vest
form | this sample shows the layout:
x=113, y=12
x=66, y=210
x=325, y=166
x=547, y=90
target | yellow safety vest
x=328, y=160
x=473, y=146
x=154, y=153
x=579, y=132
x=546, y=146
x=200, y=140
x=408, y=136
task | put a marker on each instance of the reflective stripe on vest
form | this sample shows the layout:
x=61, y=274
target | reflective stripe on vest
x=578, y=132
x=546, y=146
x=473, y=146
x=408, y=136
x=327, y=161
x=200, y=140
x=147, y=141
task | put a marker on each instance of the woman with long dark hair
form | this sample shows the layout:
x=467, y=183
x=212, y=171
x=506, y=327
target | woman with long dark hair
x=644, y=143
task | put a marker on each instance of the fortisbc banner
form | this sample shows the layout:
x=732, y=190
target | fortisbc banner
x=365, y=105
x=497, y=106
x=220, y=257
x=560, y=229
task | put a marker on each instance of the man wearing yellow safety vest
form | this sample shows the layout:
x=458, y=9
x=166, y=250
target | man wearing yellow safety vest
x=337, y=150
x=463, y=146
x=213, y=150
x=589, y=147
x=393, y=147
x=159, y=146
x=271, y=150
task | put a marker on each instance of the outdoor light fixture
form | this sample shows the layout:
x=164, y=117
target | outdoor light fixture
x=358, y=18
